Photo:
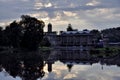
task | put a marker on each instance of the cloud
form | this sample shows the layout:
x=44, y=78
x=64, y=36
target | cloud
x=70, y=76
x=5, y=76
x=69, y=14
x=93, y=3
x=83, y=72
x=88, y=13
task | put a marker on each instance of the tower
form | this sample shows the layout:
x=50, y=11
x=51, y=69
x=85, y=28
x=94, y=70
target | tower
x=49, y=27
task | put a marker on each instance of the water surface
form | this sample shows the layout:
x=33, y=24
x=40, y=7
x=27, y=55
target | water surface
x=57, y=65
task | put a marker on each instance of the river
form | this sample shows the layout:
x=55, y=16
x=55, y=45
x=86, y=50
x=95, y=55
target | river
x=57, y=65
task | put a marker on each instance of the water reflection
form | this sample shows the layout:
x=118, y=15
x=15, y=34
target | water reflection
x=57, y=64
x=27, y=65
x=73, y=57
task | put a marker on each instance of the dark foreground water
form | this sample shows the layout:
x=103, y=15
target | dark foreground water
x=57, y=65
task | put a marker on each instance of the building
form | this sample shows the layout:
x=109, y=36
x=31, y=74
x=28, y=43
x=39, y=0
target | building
x=82, y=39
x=49, y=28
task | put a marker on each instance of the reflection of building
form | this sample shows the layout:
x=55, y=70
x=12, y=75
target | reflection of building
x=68, y=57
x=74, y=55
x=83, y=39
x=77, y=57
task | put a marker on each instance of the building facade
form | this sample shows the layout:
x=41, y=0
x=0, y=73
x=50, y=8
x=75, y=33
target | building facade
x=76, y=38
x=83, y=39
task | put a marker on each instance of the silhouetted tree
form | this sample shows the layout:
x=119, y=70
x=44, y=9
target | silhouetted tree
x=27, y=33
x=96, y=34
x=15, y=34
x=1, y=28
x=33, y=32
x=113, y=34
x=5, y=36
x=1, y=36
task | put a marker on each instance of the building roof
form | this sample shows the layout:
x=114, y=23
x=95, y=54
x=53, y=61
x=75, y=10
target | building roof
x=75, y=32
x=71, y=33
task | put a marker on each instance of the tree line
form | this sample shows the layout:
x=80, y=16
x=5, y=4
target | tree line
x=26, y=33
x=113, y=34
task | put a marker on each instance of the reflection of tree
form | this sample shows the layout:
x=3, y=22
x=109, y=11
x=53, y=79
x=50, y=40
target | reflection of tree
x=27, y=67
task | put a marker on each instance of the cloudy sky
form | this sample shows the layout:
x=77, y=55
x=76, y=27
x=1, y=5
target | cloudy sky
x=82, y=72
x=82, y=14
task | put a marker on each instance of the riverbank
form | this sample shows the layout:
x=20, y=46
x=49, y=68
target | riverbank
x=107, y=52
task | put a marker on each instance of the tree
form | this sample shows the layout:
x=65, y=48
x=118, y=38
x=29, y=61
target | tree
x=15, y=34
x=96, y=34
x=1, y=36
x=113, y=34
x=26, y=33
x=33, y=32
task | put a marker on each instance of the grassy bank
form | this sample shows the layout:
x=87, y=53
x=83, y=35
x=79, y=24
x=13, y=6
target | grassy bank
x=109, y=50
x=45, y=48
x=105, y=52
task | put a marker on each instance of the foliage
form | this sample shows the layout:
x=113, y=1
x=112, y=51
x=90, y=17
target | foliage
x=113, y=34
x=33, y=32
x=1, y=36
x=105, y=52
x=27, y=33
x=14, y=34
x=97, y=34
